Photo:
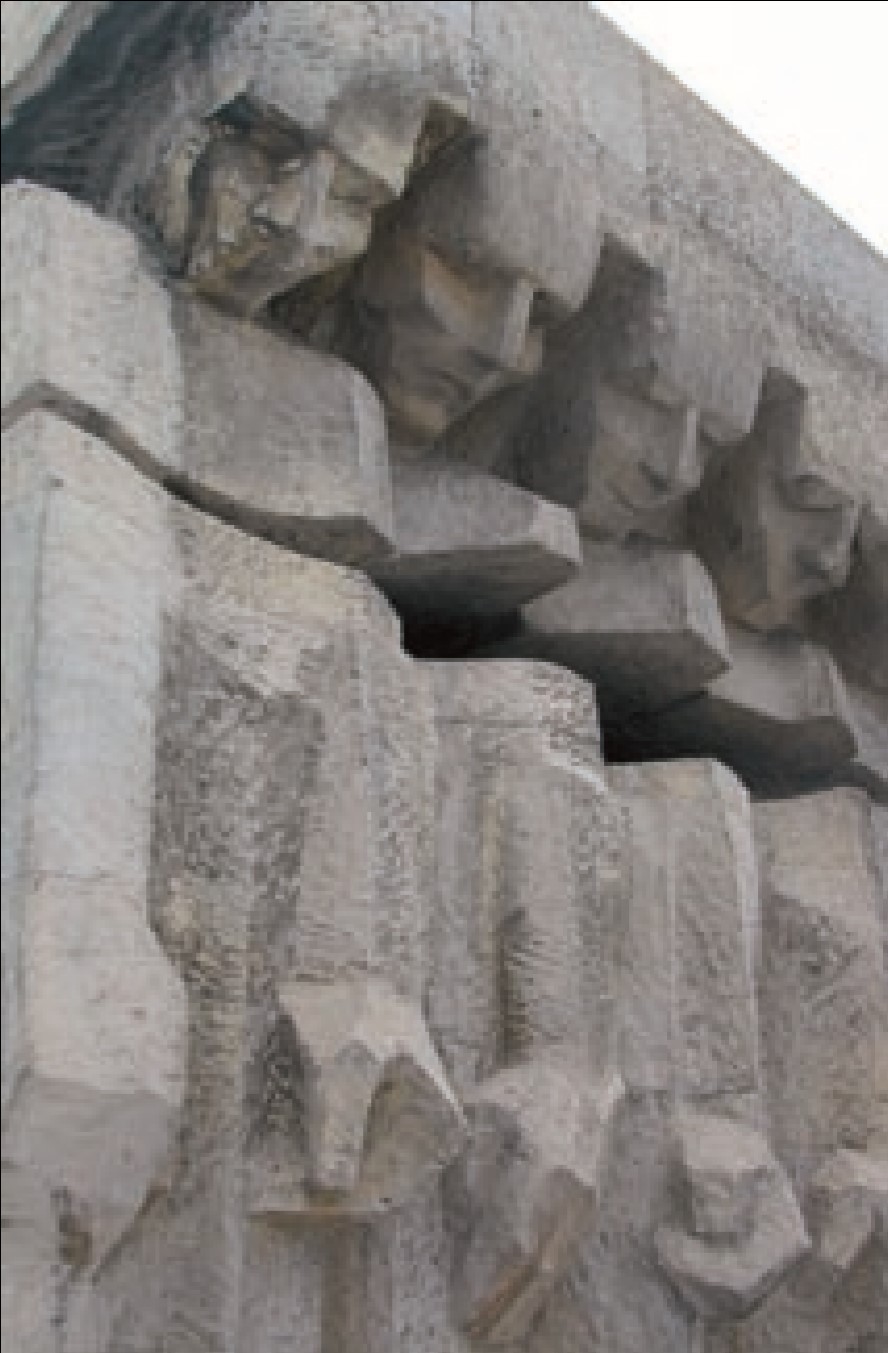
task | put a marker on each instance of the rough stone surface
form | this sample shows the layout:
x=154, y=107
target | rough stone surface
x=467, y=543
x=86, y=329
x=445, y=663
x=746, y=1230
x=644, y=625
x=781, y=714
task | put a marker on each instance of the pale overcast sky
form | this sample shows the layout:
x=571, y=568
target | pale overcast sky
x=806, y=82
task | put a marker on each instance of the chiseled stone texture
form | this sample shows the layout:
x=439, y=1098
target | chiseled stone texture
x=445, y=486
x=86, y=329
x=643, y=624
x=467, y=543
x=94, y=1014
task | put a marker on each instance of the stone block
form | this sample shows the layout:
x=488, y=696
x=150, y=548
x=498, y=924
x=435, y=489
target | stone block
x=467, y=543
x=687, y=1017
x=86, y=568
x=780, y=716
x=746, y=1231
x=526, y=1191
x=821, y=979
x=776, y=517
x=87, y=330
x=517, y=743
x=642, y=624
x=286, y=442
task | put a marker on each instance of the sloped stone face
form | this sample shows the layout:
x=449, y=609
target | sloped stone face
x=746, y=1230
x=94, y=1048
x=776, y=522
x=688, y=1007
x=642, y=624
x=531, y=1177
x=112, y=362
x=288, y=442
x=467, y=543
x=445, y=858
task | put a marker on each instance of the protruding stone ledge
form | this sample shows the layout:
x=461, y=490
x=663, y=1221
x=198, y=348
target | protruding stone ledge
x=285, y=442
x=780, y=716
x=467, y=544
x=643, y=625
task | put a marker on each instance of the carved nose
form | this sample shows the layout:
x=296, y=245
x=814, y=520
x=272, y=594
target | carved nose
x=673, y=467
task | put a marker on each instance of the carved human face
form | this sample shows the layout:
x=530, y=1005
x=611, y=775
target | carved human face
x=437, y=339
x=261, y=225
x=645, y=457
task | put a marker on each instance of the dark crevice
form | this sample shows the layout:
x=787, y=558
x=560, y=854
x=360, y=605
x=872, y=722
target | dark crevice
x=438, y=637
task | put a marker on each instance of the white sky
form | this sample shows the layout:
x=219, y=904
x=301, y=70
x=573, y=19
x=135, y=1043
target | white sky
x=806, y=82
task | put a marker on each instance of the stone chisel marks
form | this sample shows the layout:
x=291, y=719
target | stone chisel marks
x=468, y=544
x=643, y=624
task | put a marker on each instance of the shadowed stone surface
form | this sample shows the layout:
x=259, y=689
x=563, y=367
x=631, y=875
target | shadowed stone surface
x=643, y=625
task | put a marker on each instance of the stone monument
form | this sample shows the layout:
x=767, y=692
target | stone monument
x=445, y=697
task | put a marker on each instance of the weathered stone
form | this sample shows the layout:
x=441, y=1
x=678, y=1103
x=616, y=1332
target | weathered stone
x=288, y=443
x=848, y=1205
x=278, y=185
x=517, y=743
x=469, y=544
x=746, y=1231
x=93, y=1012
x=821, y=978
x=111, y=363
x=643, y=624
x=531, y=1179
x=687, y=1003
x=355, y=999
x=780, y=714
x=381, y=1116
x=775, y=520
